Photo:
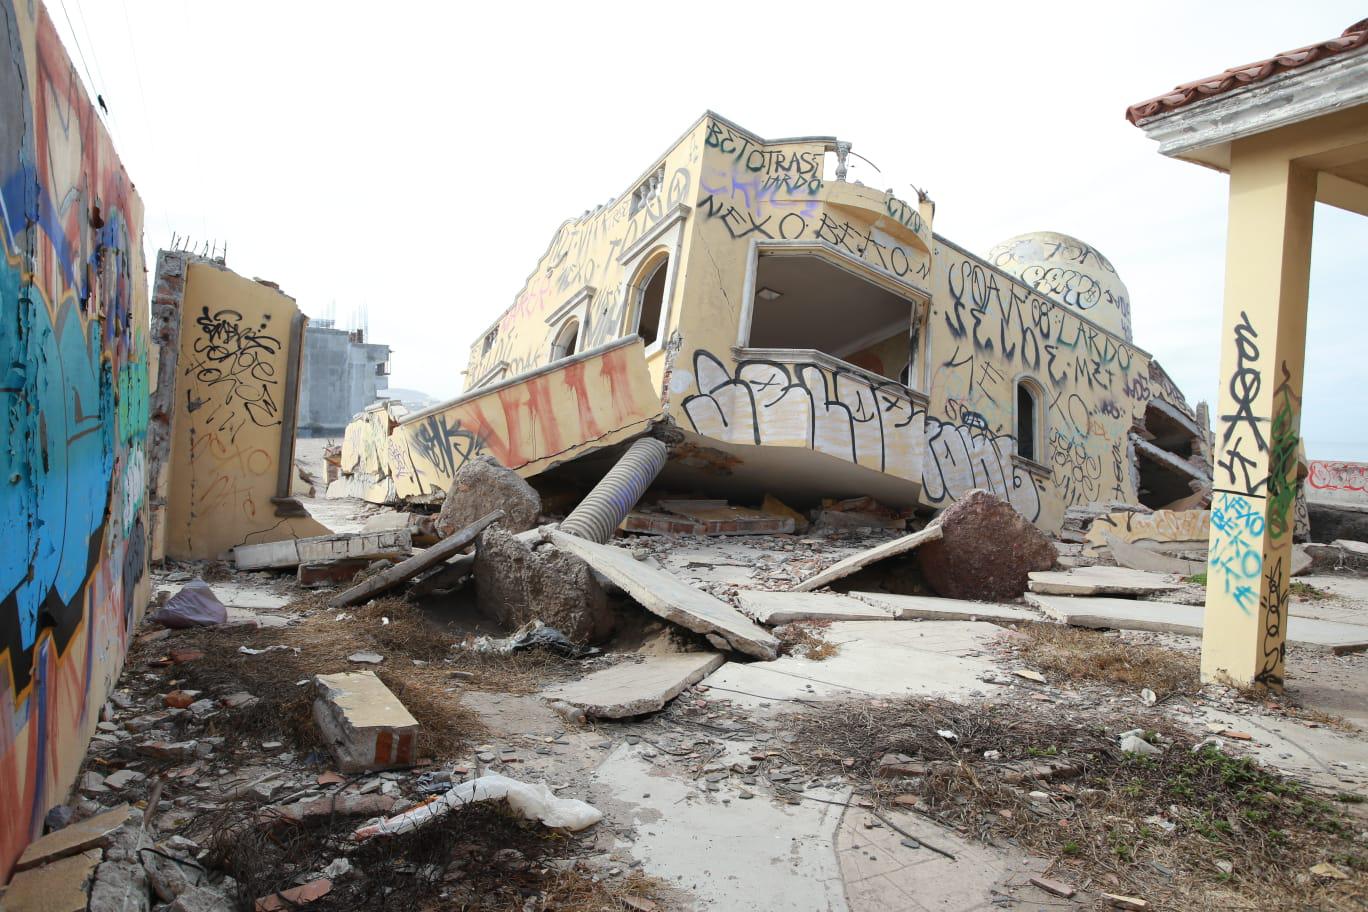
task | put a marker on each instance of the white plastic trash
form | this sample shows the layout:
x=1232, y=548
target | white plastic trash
x=535, y=802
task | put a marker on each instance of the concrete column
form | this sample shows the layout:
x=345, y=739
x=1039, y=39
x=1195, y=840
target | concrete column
x=1258, y=419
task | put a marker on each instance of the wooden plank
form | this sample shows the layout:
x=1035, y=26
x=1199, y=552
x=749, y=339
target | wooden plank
x=403, y=572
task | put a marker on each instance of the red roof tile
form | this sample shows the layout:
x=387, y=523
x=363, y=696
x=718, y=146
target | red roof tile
x=1355, y=38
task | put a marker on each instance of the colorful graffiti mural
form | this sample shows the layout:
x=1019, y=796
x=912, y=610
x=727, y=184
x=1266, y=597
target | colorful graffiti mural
x=74, y=349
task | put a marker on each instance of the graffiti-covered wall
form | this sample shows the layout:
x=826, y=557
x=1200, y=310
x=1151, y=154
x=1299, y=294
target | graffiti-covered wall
x=233, y=412
x=594, y=399
x=74, y=352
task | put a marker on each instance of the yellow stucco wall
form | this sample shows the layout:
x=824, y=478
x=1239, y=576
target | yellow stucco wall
x=235, y=351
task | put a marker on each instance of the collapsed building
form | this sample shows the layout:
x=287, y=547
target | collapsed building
x=809, y=337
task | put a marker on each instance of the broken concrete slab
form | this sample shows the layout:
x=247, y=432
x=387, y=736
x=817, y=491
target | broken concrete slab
x=1170, y=617
x=873, y=555
x=876, y=658
x=666, y=595
x=931, y=608
x=408, y=569
x=283, y=555
x=1101, y=581
x=93, y=832
x=364, y=724
x=1134, y=557
x=775, y=608
x=635, y=688
x=59, y=886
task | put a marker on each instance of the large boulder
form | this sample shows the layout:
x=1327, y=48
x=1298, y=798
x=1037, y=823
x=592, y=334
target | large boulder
x=517, y=582
x=482, y=486
x=985, y=551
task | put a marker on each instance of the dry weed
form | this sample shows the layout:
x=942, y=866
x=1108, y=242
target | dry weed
x=805, y=639
x=1075, y=654
x=1160, y=827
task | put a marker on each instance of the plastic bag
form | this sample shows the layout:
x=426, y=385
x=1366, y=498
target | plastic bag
x=535, y=802
x=194, y=606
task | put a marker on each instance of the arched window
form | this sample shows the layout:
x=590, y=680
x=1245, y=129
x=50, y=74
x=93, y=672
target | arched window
x=1027, y=421
x=566, y=340
x=652, y=299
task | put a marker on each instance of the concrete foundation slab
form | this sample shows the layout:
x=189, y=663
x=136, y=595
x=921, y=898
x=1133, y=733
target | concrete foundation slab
x=727, y=854
x=1134, y=557
x=669, y=597
x=873, y=555
x=364, y=724
x=1168, y=617
x=1101, y=581
x=635, y=688
x=776, y=608
x=876, y=658
x=932, y=608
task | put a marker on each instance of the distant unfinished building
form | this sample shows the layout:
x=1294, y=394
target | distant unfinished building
x=808, y=337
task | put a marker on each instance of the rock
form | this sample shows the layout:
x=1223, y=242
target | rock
x=985, y=551
x=366, y=658
x=364, y=724
x=1058, y=888
x=93, y=832
x=293, y=898
x=480, y=486
x=168, y=750
x=516, y=583
x=1118, y=901
x=202, y=899
x=58, y=817
x=120, y=886
x=180, y=699
x=93, y=783
x=170, y=879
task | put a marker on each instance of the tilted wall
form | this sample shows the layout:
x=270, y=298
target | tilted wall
x=1337, y=483
x=595, y=399
x=233, y=424
x=74, y=350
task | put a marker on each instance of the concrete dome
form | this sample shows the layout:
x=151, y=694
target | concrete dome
x=1071, y=272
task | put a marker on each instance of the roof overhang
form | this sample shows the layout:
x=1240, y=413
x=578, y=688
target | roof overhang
x=1201, y=132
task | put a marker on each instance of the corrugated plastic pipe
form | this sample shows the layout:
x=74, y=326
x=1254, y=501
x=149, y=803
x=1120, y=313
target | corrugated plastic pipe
x=605, y=507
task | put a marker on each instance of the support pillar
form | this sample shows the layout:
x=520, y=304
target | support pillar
x=1258, y=418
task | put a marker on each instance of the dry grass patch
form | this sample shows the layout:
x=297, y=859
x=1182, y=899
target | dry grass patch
x=1076, y=654
x=805, y=639
x=1161, y=827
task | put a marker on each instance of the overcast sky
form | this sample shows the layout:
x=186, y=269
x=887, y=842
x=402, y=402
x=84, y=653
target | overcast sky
x=413, y=160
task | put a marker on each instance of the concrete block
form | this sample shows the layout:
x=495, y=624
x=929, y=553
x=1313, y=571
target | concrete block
x=364, y=724
x=93, y=832
x=395, y=544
